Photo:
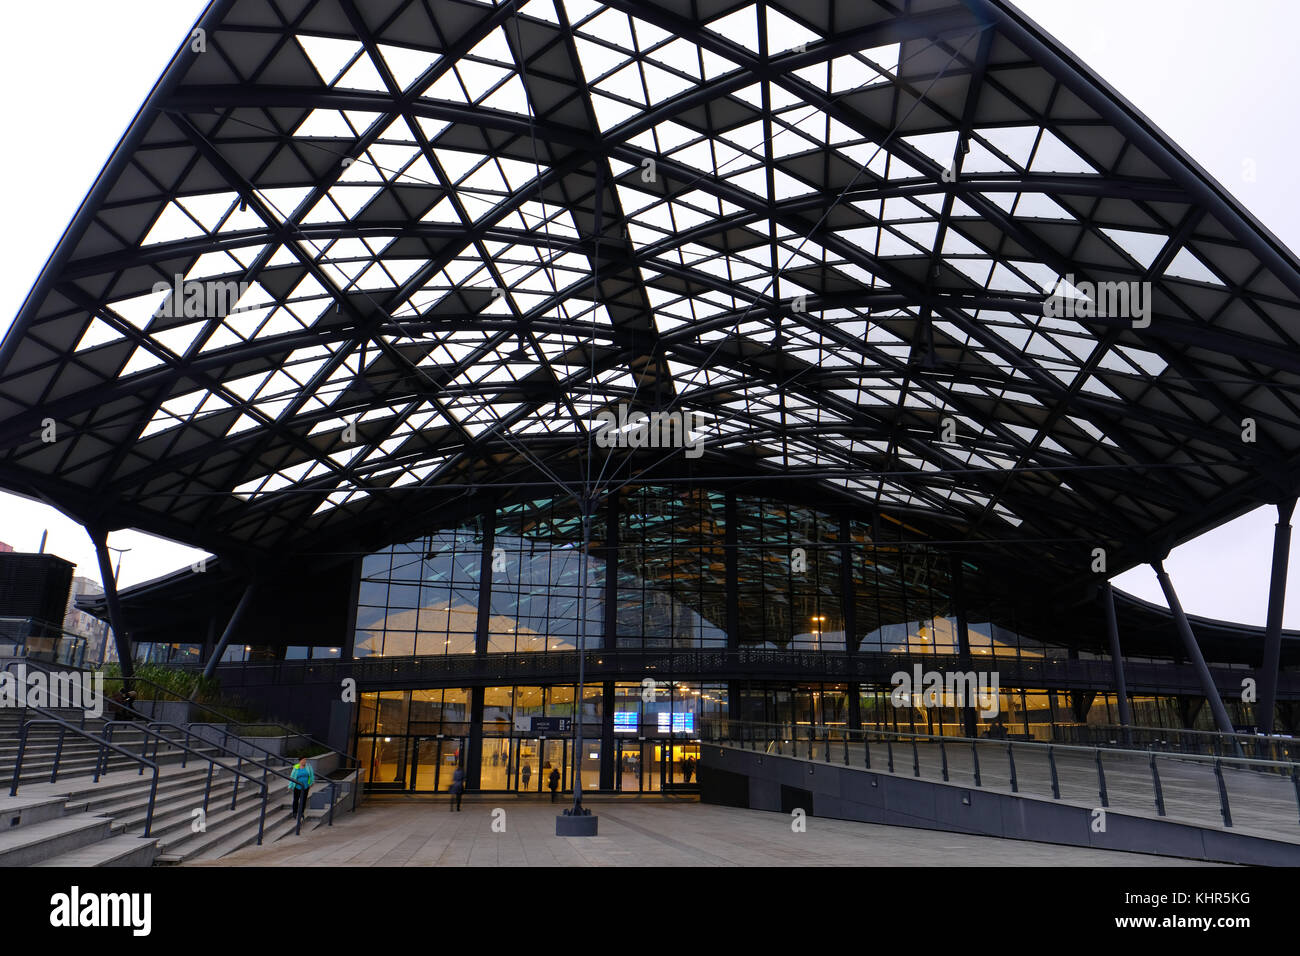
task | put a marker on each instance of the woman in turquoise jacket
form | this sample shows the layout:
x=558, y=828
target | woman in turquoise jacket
x=303, y=777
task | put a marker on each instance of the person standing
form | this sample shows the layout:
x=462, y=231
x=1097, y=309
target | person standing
x=303, y=777
x=553, y=781
x=457, y=789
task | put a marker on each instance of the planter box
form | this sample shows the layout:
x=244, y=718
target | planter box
x=170, y=711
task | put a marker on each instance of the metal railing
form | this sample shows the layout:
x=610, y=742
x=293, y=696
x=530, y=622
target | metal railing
x=348, y=759
x=1178, y=740
x=213, y=763
x=16, y=666
x=150, y=733
x=28, y=637
x=189, y=730
x=64, y=727
x=1011, y=760
x=871, y=667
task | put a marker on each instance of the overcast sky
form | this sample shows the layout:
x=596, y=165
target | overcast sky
x=1222, y=87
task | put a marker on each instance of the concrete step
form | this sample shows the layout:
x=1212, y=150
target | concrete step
x=120, y=851
x=28, y=845
x=123, y=800
x=20, y=811
x=83, y=765
x=120, y=782
x=278, y=826
x=81, y=823
x=45, y=752
x=222, y=826
x=178, y=815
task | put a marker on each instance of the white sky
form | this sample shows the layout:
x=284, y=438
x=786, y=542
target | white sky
x=1221, y=86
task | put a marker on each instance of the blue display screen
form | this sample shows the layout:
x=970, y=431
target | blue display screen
x=683, y=722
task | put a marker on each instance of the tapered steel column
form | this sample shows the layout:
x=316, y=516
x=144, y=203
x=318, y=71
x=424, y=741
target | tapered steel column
x=731, y=557
x=483, y=623
x=970, y=725
x=1273, y=629
x=244, y=600
x=1117, y=661
x=100, y=539
x=1193, y=649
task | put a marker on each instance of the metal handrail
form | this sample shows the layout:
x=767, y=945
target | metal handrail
x=54, y=772
x=213, y=763
x=1273, y=742
x=225, y=745
x=25, y=662
x=719, y=730
x=868, y=665
x=835, y=729
x=105, y=744
x=225, y=718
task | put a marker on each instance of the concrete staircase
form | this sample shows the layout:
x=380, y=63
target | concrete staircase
x=77, y=822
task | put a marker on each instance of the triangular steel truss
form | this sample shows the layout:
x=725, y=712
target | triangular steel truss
x=456, y=231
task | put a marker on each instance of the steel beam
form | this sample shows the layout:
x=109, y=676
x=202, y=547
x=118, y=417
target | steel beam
x=1273, y=629
x=245, y=599
x=100, y=538
x=969, y=724
x=1194, y=655
x=1117, y=661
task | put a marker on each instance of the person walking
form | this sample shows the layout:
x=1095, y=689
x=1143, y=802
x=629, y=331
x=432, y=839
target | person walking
x=527, y=774
x=457, y=789
x=302, y=777
x=553, y=781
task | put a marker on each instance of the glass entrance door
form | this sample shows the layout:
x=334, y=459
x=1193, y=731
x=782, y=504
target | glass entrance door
x=527, y=777
x=627, y=769
x=535, y=758
x=652, y=765
x=555, y=755
x=497, y=771
x=681, y=768
x=433, y=761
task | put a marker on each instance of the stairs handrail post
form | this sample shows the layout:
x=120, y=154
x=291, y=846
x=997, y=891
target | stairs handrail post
x=22, y=749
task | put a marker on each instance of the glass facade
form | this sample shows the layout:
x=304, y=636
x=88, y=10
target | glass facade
x=672, y=574
x=803, y=579
x=789, y=576
x=537, y=601
x=634, y=739
x=676, y=570
x=421, y=598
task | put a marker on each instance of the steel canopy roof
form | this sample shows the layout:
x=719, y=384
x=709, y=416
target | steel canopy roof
x=466, y=228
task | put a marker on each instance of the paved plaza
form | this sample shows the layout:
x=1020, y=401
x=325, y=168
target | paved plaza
x=661, y=832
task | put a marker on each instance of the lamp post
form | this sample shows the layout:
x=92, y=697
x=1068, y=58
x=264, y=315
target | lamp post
x=576, y=821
